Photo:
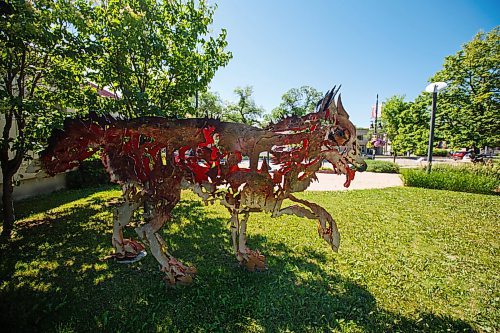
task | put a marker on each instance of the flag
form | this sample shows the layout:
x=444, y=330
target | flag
x=379, y=113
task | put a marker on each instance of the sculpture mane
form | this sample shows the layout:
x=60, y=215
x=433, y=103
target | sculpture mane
x=153, y=158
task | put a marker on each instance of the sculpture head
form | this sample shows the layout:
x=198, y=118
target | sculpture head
x=339, y=146
x=326, y=134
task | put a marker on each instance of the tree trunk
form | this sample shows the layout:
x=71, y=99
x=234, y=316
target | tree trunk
x=9, y=169
x=7, y=206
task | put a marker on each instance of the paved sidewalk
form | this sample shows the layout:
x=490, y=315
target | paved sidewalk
x=362, y=180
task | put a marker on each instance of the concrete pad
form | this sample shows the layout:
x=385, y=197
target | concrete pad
x=362, y=180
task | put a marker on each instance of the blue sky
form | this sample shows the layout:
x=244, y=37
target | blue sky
x=385, y=47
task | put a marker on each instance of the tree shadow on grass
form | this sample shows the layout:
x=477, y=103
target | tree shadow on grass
x=43, y=203
x=54, y=280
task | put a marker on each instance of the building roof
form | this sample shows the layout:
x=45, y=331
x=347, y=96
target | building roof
x=104, y=92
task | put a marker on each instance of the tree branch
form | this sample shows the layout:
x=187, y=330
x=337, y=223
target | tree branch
x=20, y=79
x=137, y=72
x=38, y=76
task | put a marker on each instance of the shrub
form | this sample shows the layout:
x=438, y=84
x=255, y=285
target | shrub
x=381, y=166
x=440, y=152
x=465, y=178
x=373, y=166
x=435, y=152
x=91, y=173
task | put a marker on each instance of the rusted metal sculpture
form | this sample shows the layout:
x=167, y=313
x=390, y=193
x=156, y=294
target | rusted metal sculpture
x=153, y=158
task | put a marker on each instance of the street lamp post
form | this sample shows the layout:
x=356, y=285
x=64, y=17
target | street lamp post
x=375, y=125
x=434, y=88
x=376, y=115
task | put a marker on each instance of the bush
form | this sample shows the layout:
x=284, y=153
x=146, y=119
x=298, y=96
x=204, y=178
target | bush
x=465, y=178
x=381, y=166
x=91, y=173
x=373, y=166
x=435, y=152
x=440, y=152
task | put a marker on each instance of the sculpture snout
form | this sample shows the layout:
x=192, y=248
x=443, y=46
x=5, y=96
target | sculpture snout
x=361, y=167
x=358, y=167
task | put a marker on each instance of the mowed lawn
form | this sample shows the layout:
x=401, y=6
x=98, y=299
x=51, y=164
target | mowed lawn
x=410, y=260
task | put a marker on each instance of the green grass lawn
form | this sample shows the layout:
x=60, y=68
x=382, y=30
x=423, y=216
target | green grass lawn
x=411, y=259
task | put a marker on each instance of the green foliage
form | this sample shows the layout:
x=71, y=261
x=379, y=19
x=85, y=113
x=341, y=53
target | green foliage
x=209, y=105
x=90, y=173
x=468, y=109
x=245, y=110
x=393, y=121
x=406, y=124
x=427, y=278
x=41, y=74
x=296, y=102
x=56, y=55
x=440, y=152
x=465, y=178
x=381, y=166
x=154, y=54
x=488, y=169
x=374, y=166
x=42, y=77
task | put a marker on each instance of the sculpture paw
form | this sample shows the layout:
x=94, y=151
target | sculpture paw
x=178, y=273
x=131, y=251
x=253, y=261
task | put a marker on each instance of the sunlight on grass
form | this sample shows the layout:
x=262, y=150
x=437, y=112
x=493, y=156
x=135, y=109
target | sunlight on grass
x=410, y=260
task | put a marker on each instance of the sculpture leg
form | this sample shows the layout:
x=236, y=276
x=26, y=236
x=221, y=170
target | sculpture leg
x=176, y=272
x=252, y=260
x=327, y=228
x=126, y=250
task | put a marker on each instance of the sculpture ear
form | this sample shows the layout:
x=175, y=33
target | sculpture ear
x=325, y=101
x=340, y=108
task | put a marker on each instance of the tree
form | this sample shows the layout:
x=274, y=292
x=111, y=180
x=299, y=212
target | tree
x=407, y=124
x=468, y=110
x=245, y=110
x=40, y=78
x=209, y=105
x=393, y=121
x=415, y=130
x=296, y=102
x=154, y=54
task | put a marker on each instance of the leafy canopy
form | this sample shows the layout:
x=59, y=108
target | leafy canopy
x=244, y=110
x=41, y=78
x=209, y=105
x=41, y=75
x=56, y=54
x=154, y=54
x=296, y=102
x=468, y=110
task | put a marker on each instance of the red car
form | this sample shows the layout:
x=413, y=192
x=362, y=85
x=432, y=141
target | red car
x=458, y=155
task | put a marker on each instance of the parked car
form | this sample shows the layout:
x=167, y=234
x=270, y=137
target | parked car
x=458, y=155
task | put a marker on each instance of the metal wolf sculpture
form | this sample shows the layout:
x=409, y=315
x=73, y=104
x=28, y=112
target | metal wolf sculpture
x=153, y=158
